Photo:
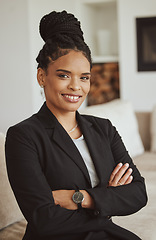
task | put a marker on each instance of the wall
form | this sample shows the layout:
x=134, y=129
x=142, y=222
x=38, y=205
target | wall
x=15, y=90
x=20, y=43
x=96, y=17
x=138, y=87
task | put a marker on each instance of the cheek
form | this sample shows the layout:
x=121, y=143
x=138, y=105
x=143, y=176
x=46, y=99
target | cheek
x=54, y=86
x=87, y=88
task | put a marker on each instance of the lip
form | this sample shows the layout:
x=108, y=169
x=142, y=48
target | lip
x=72, y=98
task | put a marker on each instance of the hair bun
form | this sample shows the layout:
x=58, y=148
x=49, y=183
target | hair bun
x=59, y=23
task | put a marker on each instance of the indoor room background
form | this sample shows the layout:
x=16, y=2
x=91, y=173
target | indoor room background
x=20, y=43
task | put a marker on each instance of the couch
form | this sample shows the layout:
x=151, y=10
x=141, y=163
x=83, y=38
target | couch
x=139, y=135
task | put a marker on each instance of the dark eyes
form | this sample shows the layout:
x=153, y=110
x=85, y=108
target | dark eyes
x=85, y=78
x=65, y=76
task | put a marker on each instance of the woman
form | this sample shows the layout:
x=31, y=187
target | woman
x=70, y=173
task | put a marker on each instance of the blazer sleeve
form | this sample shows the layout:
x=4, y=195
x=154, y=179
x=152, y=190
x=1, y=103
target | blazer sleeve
x=120, y=200
x=33, y=192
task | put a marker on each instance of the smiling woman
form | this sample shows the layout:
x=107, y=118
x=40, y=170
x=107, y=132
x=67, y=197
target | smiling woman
x=66, y=83
x=74, y=172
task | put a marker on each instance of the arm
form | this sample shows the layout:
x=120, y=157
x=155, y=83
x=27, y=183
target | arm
x=118, y=177
x=64, y=199
x=121, y=200
x=33, y=192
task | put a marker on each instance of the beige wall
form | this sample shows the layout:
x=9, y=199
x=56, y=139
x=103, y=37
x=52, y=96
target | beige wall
x=15, y=82
x=20, y=43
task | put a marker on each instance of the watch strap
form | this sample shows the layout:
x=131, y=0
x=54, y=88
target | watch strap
x=78, y=204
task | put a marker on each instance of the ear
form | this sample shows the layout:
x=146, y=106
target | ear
x=41, y=75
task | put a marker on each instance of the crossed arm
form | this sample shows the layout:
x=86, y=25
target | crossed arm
x=34, y=194
x=121, y=175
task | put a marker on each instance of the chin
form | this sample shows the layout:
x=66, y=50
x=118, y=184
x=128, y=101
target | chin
x=73, y=109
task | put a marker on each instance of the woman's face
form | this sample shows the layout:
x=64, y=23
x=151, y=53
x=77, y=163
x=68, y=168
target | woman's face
x=67, y=82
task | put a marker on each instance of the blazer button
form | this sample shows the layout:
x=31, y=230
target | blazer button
x=96, y=212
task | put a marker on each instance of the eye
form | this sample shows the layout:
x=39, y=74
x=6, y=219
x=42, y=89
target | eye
x=63, y=76
x=85, y=78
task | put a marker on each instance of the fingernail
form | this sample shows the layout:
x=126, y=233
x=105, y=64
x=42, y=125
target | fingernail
x=130, y=169
x=126, y=164
x=120, y=164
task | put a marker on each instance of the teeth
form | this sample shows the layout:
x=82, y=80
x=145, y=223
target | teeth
x=72, y=97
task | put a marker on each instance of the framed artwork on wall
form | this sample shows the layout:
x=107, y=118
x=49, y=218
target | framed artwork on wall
x=146, y=43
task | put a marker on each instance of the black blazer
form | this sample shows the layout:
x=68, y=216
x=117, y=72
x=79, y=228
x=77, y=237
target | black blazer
x=42, y=157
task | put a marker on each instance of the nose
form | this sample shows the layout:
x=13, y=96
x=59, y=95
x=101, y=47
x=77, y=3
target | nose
x=74, y=84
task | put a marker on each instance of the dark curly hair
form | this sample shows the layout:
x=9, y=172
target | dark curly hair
x=62, y=33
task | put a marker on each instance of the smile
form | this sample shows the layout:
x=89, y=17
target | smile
x=71, y=98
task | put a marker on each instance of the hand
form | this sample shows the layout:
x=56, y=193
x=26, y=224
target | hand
x=120, y=175
x=64, y=199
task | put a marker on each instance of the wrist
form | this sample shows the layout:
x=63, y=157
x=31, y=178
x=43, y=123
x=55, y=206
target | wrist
x=78, y=198
x=84, y=203
x=88, y=201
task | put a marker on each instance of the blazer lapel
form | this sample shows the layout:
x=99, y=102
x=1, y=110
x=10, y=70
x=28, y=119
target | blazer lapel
x=62, y=139
x=98, y=147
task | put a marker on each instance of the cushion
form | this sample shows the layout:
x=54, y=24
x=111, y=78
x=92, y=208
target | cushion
x=143, y=222
x=14, y=232
x=122, y=116
x=153, y=130
x=146, y=162
x=9, y=210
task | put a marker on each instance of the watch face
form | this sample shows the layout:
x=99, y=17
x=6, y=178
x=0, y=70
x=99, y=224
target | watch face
x=78, y=197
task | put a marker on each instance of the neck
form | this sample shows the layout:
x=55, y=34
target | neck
x=66, y=119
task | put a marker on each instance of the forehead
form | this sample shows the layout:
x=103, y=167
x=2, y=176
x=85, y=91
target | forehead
x=72, y=61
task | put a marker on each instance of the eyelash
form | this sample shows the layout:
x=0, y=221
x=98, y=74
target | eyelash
x=85, y=78
x=64, y=76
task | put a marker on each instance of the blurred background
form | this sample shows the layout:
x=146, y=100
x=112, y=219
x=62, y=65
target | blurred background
x=109, y=29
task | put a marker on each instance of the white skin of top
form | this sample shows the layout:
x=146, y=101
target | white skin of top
x=66, y=84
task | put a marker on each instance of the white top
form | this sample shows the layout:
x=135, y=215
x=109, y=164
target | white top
x=83, y=149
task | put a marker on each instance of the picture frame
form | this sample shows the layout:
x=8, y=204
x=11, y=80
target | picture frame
x=146, y=43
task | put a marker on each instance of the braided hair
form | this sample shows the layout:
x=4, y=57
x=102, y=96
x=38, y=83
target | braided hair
x=62, y=33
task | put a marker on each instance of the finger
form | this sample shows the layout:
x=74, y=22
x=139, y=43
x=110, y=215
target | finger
x=120, y=173
x=126, y=176
x=116, y=169
x=129, y=180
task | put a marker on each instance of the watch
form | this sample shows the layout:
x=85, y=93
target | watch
x=78, y=198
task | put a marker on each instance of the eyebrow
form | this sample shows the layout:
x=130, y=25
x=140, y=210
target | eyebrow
x=63, y=70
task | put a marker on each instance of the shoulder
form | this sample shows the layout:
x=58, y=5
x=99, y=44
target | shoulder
x=25, y=128
x=102, y=124
x=104, y=127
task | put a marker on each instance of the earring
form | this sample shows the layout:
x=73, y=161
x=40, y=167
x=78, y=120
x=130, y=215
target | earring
x=42, y=91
